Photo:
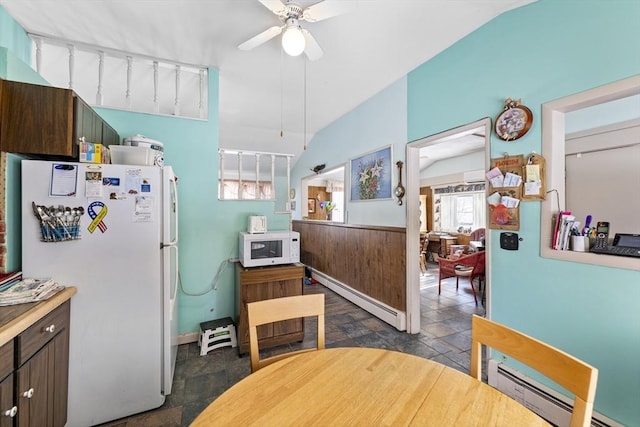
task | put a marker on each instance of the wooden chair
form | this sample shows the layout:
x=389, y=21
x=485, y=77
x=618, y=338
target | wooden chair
x=276, y=310
x=423, y=253
x=469, y=266
x=569, y=372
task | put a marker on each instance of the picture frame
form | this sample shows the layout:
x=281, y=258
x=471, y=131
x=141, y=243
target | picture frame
x=371, y=175
x=514, y=121
x=311, y=205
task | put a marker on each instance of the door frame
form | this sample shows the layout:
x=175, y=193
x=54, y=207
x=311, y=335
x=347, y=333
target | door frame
x=413, y=219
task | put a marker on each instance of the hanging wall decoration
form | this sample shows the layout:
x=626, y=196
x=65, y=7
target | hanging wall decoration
x=371, y=175
x=399, y=191
x=514, y=121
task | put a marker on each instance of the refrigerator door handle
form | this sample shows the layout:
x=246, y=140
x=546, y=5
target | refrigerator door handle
x=174, y=187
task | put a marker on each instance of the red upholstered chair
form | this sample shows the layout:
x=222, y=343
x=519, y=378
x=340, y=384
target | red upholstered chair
x=469, y=266
x=456, y=251
x=477, y=235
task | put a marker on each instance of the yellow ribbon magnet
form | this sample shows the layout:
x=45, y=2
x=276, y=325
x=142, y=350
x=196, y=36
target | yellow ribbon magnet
x=97, y=211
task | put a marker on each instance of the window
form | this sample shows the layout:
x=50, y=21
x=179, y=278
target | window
x=554, y=149
x=250, y=190
x=461, y=208
x=337, y=199
x=248, y=175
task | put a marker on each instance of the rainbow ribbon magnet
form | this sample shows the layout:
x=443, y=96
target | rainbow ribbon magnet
x=97, y=211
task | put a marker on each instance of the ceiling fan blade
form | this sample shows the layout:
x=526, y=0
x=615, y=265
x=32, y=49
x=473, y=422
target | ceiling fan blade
x=275, y=6
x=323, y=10
x=312, y=48
x=261, y=38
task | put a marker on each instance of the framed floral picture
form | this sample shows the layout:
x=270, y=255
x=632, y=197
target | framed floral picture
x=311, y=205
x=371, y=175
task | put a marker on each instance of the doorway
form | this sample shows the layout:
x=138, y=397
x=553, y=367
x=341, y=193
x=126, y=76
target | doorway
x=453, y=138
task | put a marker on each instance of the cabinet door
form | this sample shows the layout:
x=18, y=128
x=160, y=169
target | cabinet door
x=36, y=119
x=109, y=135
x=6, y=402
x=86, y=121
x=286, y=288
x=33, y=390
x=59, y=348
x=42, y=383
x=42, y=376
x=253, y=293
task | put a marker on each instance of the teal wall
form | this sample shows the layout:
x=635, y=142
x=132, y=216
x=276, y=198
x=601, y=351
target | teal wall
x=376, y=123
x=541, y=52
x=208, y=227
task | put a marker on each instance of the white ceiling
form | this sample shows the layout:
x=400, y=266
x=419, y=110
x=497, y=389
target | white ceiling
x=262, y=91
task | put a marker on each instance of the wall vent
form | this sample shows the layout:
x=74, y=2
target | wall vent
x=549, y=404
x=473, y=177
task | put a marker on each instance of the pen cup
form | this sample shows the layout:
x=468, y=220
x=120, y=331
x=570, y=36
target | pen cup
x=580, y=243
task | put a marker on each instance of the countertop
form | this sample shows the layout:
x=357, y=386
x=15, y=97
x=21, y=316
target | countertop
x=14, y=319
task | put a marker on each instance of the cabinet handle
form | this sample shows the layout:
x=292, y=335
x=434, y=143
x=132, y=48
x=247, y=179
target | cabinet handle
x=11, y=412
x=28, y=394
x=51, y=328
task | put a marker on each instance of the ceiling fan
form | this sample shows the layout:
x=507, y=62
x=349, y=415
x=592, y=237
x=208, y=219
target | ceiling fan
x=296, y=39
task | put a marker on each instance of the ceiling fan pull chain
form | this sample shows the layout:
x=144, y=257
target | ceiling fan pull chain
x=281, y=93
x=304, y=110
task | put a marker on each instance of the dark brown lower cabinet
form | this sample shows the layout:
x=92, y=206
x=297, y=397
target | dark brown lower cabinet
x=41, y=373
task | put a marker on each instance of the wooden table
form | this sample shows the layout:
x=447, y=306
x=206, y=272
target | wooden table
x=363, y=386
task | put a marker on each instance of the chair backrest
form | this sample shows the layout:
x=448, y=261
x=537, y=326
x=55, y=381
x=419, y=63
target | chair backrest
x=464, y=249
x=571, y=373
x=477, y=234
x=478, y=269
x=278, y=309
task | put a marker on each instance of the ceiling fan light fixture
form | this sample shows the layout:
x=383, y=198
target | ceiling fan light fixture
x=293, y=41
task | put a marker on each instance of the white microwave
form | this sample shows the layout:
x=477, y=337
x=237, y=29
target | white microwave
x=271, y=248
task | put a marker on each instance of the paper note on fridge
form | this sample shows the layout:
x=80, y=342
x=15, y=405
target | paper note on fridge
x=63, y=180
x=143, y=210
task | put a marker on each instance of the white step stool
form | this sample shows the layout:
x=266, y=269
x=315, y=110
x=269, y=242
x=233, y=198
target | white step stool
x=216, y=334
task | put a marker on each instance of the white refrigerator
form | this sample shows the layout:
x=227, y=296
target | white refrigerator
x=111, y=231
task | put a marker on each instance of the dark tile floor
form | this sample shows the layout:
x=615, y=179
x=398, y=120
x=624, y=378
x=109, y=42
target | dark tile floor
x=445, y=337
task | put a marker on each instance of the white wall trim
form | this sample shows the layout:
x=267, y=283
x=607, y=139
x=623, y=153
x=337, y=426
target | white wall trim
x=413, y=218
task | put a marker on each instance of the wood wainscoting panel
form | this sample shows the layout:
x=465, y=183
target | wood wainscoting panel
x=369, y=259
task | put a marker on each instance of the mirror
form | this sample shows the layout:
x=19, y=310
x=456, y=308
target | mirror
x=564, y=138
x=324, y=195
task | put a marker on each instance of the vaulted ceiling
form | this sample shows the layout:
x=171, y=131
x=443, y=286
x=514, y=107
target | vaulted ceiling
x=268, y=100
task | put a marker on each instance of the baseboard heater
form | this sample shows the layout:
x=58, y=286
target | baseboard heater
x=392, y=316
x=549, y=404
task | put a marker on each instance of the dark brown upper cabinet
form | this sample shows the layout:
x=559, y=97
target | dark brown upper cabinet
x=48, y=121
